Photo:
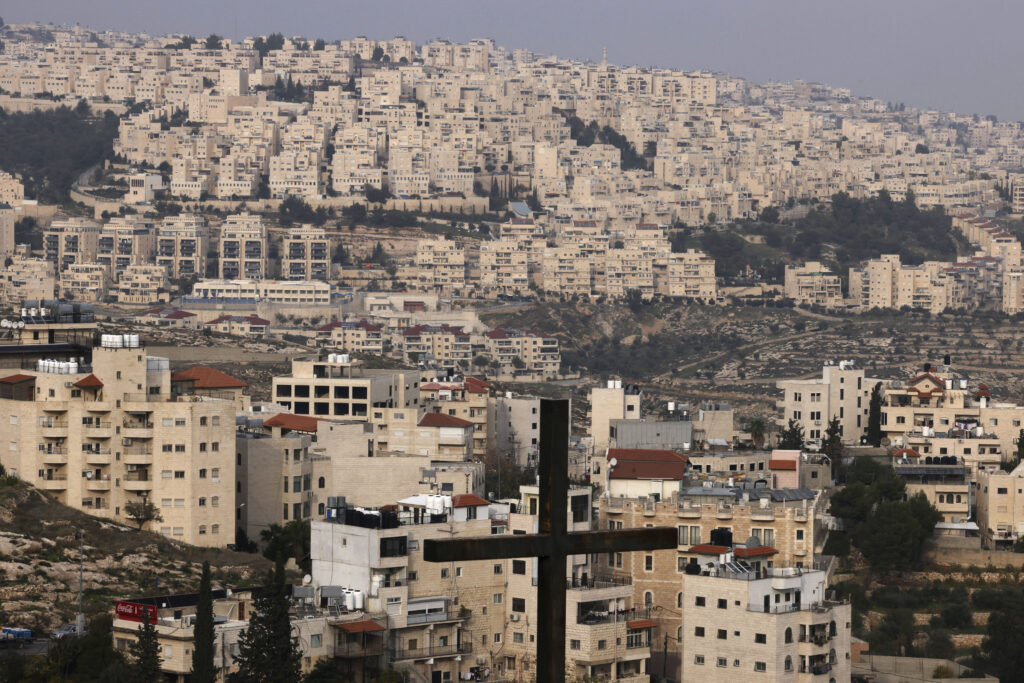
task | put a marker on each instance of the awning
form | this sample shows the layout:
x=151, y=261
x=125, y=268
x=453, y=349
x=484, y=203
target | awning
x=364, y=626
x=642, y=623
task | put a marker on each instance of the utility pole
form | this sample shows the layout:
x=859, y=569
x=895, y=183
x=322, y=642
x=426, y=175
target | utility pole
x=80, y=618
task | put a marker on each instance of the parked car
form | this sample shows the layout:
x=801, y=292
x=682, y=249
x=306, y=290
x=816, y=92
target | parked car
x=16, y=636
x=65, y=631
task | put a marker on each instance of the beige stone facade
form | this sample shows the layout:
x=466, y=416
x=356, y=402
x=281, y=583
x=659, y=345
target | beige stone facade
x=84, y=282
x=843, y=392
x=306, y=254
x=812, y=284
x=243, y=248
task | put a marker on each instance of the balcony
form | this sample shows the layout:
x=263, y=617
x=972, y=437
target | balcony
x=99, y=456
x=429, y=652
x=137, y=429
x=98, y=484
x=55, y=456
x=765, y=515
x=138, y=456
x=97, y=406
x=723, y=512
x=53, y=429
x=435, y=617
x=98, y=430
x=354, y=649
x=54, y=482
x=137, y=481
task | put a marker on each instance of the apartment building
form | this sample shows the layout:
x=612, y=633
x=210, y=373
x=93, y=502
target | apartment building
x=813, y=284
x=27, y=279
x=84, y=282
x=108, y=433
x=470, y=399
x=937, y=404
x=344, y=388
x=181, y=244
x=843, y=392
x=566, y=272
x=445, y=620
x=626, y=270
x=251, y=326
x=504, y=269
x=306, y=254
x=743, y=622
x=441, y=266
x=608, y=403
x=125, y=242
x=142, y=284
x=352, y=336
x=945, y=481
x=71, y=240
x=517, y=428
x=523, y=354
x=441, y=345
x=687, y=275
x=1000, y=506
x=709, y=520
x=12, y=192
x=243, y=248
x=299, y=293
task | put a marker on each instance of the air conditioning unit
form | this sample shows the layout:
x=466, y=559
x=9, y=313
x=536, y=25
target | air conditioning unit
x=513, y=617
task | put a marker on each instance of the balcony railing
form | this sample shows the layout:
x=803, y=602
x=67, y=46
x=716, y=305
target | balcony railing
x=621, y=616
x=597, y=584
x=430, y=617
x=435, y=651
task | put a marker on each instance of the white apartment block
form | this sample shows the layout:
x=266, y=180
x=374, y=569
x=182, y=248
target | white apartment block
x=306, y=254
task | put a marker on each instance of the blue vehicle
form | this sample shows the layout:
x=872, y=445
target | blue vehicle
x=15, y=636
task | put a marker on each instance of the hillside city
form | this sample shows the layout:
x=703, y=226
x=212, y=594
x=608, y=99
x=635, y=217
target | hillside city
x=280, y=315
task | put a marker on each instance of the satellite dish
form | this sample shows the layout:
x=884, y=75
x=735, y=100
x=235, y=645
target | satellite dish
x=4, y=323
x=613, y=462
x=306, y=580
x=753, y=542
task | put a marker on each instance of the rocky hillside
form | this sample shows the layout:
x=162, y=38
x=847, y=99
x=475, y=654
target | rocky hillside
x=39, y=561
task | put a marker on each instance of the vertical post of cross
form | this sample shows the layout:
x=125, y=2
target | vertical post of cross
x=553, y=468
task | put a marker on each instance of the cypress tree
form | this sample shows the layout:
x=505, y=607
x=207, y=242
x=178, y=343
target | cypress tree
x=146, y=654
x=203, y=669
x=874, y=433
x=267, y=652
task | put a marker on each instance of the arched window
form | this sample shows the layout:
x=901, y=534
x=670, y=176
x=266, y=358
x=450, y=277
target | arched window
x=321, y=482
x=679, y=634
x=648, y=599
x=789, y=663
x=679, y=599
x=789, y=635
x=832, y=629
x=832, y=656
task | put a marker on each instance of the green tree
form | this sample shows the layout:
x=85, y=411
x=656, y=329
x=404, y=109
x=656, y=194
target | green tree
x=378, y=54
x=1004, y=643
x=921, y=148
x=895, y=635
x=290, y=540
x=203, y=668
x=142, y=511
x=213, y=42
x=792, y=437
x=939, y=645
x=319, y=44
x=957, y=615
x=832, y=444
x=893, y=537
x=267, y=651
x=769, y=214
x=874, y=432
x=145, y=652
x=757, y=431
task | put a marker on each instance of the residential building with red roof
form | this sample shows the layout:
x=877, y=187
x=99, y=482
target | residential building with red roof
x=469, y=399
x=251, y=326
x=527, y=355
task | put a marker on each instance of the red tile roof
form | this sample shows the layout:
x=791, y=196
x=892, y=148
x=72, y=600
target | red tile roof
x=442, y=420
x=15, y=379
x=632, y=469
x=205, y=377
x=364, y=626
x=907, y=453
x=468, y=500
x=782, y=464
x=295, y=423
x=708, y=549
x=475, y=385
x=759, y=551
x=645, y=455
x=90, y=381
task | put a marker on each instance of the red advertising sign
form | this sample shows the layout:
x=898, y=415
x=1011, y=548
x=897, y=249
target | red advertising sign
x=134, y=611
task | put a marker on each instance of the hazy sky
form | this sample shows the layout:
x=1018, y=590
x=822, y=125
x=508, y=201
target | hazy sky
x=966, y=56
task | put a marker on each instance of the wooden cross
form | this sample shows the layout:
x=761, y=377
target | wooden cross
x=552, y=544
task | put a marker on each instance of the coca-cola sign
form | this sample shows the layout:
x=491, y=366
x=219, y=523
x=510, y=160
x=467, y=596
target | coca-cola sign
x=134, y=611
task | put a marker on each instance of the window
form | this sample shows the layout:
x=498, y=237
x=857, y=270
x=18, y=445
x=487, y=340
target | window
x=698, y=631
x=722, y=603
x=722, y=634
x=458, y=572
x=179, y=474
x=179, y=422
x=215, y=501
x=518, y=566
x=167, y=422
x=799, y=534
x=760, y=638
x=518, y=604
x=648, y=563
x=321, y=482
x=202, y=502
x=574, y=644
x=517, y=637
x=202, y=421
x=316, y=640
x=602, y=644
x=679, y=600
x=789, y=663
x=789, y=635
x=698, y=660
x=444, y=573
x=202, y=474
x=760, y=667
x=497, y=637
x=648, y=598
x=496, y=598
x=699, y=601
x=722, y=662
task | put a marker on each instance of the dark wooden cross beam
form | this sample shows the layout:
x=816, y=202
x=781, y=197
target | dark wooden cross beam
x=552, y=544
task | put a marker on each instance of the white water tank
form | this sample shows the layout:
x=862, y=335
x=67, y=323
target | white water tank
x=135, y=340
x=350, y=600
x=343, y=358
x=360, y=599
x=611, y=384
x=73, y=367
x=979, y=430
x=332, y=358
